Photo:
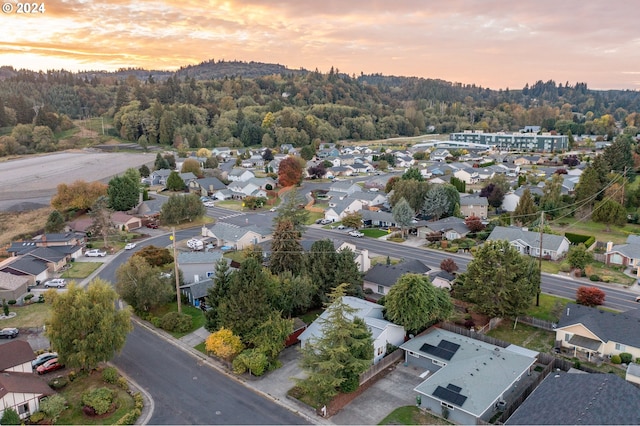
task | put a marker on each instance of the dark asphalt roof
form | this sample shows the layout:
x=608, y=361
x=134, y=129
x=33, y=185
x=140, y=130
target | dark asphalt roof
x=387, y=275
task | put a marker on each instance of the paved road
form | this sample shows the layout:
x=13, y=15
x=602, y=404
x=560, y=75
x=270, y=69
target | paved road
x=186, y=391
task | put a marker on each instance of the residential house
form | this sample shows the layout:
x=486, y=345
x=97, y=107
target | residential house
x=466, y=379
x=554, y=247
x=627, y=254
x=474, y=205
x=521, y=161
x=362, y=168
x=347, y=160
x=451, y=228
x=34, y=269
x=442, y=279
x=125, y=222
x=206, y=186
x=377, y=219
x=338, y=210
x=382, y=331
x=328, y=152
x=440, y=155
x=595, y=332
x=240, y=175
x=360, y=256
x=223, y=152
x=512, y=198
x=565, y=398
x=345, y=187
x=381, y=277
x=404, y=160
x=368, y=198
x=256, y=160
x=12, y=286
x=157, y=177
x=235, y=237
x=469, y=175
x=340, y=171
x=198, y=265
x=20, y=389
x=287, y=148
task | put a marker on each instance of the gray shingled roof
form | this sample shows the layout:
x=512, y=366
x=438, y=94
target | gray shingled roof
x=387, y=275
x=198, y=257
x=608, y=326
x=574, y=399
x=632, y=251
x=47, y=253
x=473, y=200
x=28, y=265
x=532, y=239
x=211, y=183
x=447, y=223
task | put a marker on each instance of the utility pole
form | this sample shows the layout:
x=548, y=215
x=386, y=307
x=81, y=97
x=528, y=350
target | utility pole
x=540, y=258
x=175, y=264
x=624, y=180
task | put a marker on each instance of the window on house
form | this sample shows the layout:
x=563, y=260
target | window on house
x=567, y=336
x=380, y=289
x=380, y=350
x=23, y=409
x=620, y=347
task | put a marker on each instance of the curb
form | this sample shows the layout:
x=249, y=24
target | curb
x=149, y=404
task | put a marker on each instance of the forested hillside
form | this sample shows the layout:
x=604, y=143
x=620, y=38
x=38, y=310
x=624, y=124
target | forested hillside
x=244, y=104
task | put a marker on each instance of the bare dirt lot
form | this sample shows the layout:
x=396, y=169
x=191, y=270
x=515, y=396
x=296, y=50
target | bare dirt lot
x=28, y=183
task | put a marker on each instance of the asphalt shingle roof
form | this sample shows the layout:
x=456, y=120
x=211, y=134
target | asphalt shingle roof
x=608, y=326
x=387, y=275
x=532, y=239
x=574, y=399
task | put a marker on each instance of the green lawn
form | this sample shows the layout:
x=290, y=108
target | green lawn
x=195, y=313
x=230, y=204
x=549, y=309
x=373, y=233
x=201, y=347
x=411, y=415
x=81, y=270
x=73, y=415
x=617, y=235
x=27, y=316
x=524, y=335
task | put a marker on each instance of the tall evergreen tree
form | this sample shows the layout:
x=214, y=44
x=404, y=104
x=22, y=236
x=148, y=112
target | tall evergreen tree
x=290, y=210
x=123, y=193
x=320, y=264
x=55, y=222
x=216, y=294
x=403, y=214
x=286, y=250
x=3, y=114
x=347, y=271
x=526, y=209
x=335, y=360
x=247, y=303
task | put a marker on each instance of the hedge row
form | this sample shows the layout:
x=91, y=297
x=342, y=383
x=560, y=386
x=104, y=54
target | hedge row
x=587, y=240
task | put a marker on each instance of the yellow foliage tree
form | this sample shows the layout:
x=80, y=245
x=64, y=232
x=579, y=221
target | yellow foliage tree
x=203, y=152
x=224, y=344
x=79, y=195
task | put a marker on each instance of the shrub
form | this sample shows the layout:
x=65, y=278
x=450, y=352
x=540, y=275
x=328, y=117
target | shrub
x=565, y=267
x=156, y=322
x=28, y=296
x=637, y=360
x=615, y=359
x=626, y=357
x=52, y=406
x=58, y=383
x=138, y=400
x=72, y=375
x=99, y=400
x=110, y=375
x=10, y=417
x=350, y=384
x=36, y=417
x=173, y=321
x=590, y=296
x=129, y=418
x=123, y=383
x=12, y=302
x=251, y=360
x=594, y=277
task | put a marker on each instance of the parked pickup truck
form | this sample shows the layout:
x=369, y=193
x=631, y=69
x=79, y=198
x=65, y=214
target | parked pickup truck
x=95, y=253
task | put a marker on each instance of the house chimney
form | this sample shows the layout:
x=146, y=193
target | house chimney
x=609, y=246
x=568, y=311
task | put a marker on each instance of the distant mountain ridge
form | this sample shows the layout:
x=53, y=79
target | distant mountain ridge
x=207, y=70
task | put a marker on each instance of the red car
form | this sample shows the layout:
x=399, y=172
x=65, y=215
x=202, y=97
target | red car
x=51, y=365
x=152, y=225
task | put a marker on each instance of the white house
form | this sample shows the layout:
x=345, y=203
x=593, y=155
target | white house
x=383, y=332
x=527, y=242
x=235, y=237
x=469, y=175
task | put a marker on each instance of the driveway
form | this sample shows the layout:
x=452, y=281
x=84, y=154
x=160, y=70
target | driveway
x=392, y=391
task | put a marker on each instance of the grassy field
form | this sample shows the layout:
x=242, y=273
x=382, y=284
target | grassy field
x=73, y=415
x=21, y=225
x=410, y=415
x=373, y=233
x=81, y=270
x=230, y=204
x=27, y=316
x=524, y=335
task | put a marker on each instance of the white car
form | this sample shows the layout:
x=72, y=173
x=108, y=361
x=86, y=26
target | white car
x=56, y=283
x=341, y=227
x=272, y=209
x=209, y=204
x=130, y=246
x=195, y=244
x=356, y=234
x=95, y=253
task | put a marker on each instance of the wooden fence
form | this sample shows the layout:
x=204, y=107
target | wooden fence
x=538, y=323
x=385, y=362
x=473, y=334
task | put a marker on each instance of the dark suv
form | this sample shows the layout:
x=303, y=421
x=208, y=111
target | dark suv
x=9, y=333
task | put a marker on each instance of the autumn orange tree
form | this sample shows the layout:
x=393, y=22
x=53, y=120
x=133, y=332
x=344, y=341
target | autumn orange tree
x=290, y=171
x=224, y=344
x=80, y=195
x=590, y=296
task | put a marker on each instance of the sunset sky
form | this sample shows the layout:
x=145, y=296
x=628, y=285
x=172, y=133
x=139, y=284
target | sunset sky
x=492, y=43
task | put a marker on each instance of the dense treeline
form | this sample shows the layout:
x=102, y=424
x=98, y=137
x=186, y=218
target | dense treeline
x=193, y=107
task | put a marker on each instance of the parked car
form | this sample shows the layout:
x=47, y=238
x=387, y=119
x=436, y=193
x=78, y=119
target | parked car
x=325, y=221
x=152, y=225
x=48, y=366
x=95, y=253
x=130, y=246
x=272, y=209
x=637, y=298
x=42, y=358
x=9, y=333
x=195, y=244
x=56, y=283
x=356, y=234
x=209, y=204
x=342, y=227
